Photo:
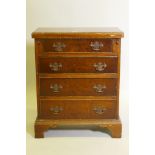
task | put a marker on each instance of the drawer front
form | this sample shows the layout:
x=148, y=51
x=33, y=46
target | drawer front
x=79, y=109
x=77, y=45
x=78, y=65
x=77, y=87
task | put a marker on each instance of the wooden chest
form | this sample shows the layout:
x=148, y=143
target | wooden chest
x=77, y=78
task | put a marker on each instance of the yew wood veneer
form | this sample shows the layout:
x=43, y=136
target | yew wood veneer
x=77, y=78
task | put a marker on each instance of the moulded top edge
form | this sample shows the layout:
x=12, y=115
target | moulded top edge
x=100, y=32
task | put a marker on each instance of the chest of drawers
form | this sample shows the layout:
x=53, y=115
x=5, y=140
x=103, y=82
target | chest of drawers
x=77, y=78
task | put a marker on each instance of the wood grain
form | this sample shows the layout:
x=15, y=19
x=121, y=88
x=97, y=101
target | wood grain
x=77, y=109
x=78, y=76
x=78, y=65
x=102, y=32
x=75, y=45
x=78, y=87
x=114, y=126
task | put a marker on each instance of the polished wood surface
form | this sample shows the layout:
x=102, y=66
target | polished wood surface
x=111, y=126
x=78, y=87
x=78, y=109
x=77, y=78
x=87, y=32
x=78, y=65
x=79, y=75
x=75, y=45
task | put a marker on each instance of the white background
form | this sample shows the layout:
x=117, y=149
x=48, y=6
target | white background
x=82, y=13
x=141, y=81
x=75, y=13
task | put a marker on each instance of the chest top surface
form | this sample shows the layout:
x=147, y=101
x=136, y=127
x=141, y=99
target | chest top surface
x=86, y=32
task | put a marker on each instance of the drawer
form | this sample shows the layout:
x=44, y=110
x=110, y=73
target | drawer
x=79, y=109
x=77, y=87
x=78, y=65
x=76, y=45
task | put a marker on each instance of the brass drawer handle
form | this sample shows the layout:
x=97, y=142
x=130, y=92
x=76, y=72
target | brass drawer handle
x=100, y=66
x=59, y=46
x=55, y=66
x=56, y=88
x=96, y=45
x=99, y=88
x=56, y=110
x=99, y=110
